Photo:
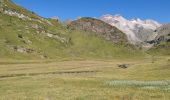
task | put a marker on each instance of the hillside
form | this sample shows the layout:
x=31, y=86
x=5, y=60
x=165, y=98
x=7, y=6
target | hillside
x=161, y=41
x=101, y=28
x=25, y=35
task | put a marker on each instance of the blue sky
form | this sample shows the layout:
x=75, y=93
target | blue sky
x=70, y=9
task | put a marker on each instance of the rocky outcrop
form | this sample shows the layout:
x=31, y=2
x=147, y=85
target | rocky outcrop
x=14, y=13
x=163, y=35
x=99, y=27
x=41, y=30
x=161, y=43
x=22, y=49
x=5, y=9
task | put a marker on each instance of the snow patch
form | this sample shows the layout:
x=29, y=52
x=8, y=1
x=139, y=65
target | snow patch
x=130, y=27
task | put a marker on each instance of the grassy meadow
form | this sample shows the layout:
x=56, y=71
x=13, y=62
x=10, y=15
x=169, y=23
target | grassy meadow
x=71, y=64
x=81, y=79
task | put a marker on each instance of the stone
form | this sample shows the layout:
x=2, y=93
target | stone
x=124, y=66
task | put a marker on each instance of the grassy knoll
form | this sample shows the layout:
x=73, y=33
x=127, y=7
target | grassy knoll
x=144, y=79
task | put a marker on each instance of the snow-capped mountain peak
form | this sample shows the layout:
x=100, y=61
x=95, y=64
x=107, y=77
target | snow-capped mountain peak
x=137, y=30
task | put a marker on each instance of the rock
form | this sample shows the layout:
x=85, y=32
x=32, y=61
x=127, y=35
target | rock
x=22, y=49
x=20, y=36
x=49, y=35
x=52, y=35
x=39, y=29
x=29, y=42
x=43, y=56
x=35, y=26
x=14, y=13
x=124, y=66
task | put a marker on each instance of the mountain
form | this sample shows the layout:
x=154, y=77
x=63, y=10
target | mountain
x=101, y=28
x=163, y=33
x=137, y=30
x=25, y=35
x=162, y=40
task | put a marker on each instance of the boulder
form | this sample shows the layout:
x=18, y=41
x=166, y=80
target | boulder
x=124, y=66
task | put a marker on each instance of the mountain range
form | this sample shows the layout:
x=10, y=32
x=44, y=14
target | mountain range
x=25, y=35
x=137, y=30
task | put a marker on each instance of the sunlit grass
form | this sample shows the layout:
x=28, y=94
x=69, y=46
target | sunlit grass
x=85, y=79
x=162, y=85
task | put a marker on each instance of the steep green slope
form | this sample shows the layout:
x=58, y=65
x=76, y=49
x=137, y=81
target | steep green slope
x=24, y=35
x=89, y=44
x=27, y=38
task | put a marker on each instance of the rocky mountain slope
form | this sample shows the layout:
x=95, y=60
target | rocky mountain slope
x=162, y=40
x=137, y=30
x=25, y=35
x=101, y=28
x=163, y=33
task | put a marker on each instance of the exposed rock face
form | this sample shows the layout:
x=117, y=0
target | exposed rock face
x=22, y=49
x=13, y=13
x=161, y=43
x=137, y=30
x=164, y=30
x=101, y=28
x=163, y=34
x=61, y=39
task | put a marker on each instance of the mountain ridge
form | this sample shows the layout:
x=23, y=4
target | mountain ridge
x=101, y=28
x=137, y=30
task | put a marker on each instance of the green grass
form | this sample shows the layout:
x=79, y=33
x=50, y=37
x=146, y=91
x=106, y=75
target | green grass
x=85, y=79
x=161, y=49
x=78, y=44
x=85, y=67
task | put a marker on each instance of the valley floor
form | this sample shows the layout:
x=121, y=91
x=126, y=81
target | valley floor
x=144, y=79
